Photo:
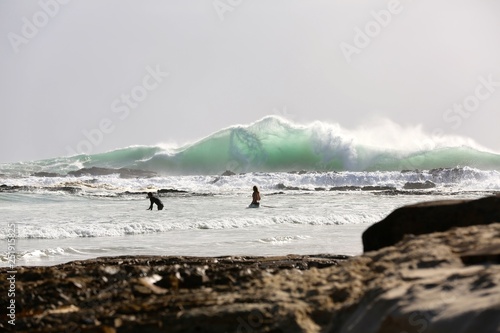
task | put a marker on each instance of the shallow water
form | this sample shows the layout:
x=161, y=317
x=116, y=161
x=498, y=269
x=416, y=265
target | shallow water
x=56, y=227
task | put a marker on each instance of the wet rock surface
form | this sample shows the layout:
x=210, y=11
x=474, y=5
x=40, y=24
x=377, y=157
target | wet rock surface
x=121, y=294
x=427, y=283
x=419, y=185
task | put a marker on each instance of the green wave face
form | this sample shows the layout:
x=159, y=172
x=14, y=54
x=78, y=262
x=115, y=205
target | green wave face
x=271, y=145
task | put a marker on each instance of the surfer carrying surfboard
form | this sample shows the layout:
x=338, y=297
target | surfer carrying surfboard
x=154, y=200
x=255, y=198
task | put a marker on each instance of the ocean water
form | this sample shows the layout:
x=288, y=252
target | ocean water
x=348, y=186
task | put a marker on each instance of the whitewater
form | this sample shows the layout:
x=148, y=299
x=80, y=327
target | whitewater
x=321, y=187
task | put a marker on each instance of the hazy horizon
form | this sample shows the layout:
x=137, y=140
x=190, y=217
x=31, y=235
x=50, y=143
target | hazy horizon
x=94, y=76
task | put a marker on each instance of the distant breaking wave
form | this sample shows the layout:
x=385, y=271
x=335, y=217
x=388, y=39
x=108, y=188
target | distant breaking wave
x=273, y=144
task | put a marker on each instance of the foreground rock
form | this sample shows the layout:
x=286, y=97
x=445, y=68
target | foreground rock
x=147, y=294
x=440, y=282
x=430, y=217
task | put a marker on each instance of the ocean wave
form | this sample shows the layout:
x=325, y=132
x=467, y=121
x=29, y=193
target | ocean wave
x=36, y=255
x=273, y=144
x=280, y=240
x=117, y=229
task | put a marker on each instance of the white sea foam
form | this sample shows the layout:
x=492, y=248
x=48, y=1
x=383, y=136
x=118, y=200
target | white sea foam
x=460, y=179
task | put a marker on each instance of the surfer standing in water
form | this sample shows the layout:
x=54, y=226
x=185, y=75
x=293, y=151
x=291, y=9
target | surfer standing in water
x=255, y=198
x=154, y=200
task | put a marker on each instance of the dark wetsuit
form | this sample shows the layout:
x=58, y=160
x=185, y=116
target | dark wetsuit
x=157, y=201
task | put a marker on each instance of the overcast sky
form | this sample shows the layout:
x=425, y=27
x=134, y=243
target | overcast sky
x=95, y=75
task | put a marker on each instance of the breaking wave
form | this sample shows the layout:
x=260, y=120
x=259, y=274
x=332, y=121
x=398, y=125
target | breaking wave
x=273, y=144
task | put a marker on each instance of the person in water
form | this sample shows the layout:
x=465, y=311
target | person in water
x=154, y=200
x=255, y=197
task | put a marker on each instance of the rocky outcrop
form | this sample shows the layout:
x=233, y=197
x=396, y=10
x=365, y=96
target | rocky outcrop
x=362, y=188
x=430, y=217
x=170, y=190
x=418, y=186
x=46, y=174
x=228, y=173
x=123, y=172
x=15, y=188
x=426, y=284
